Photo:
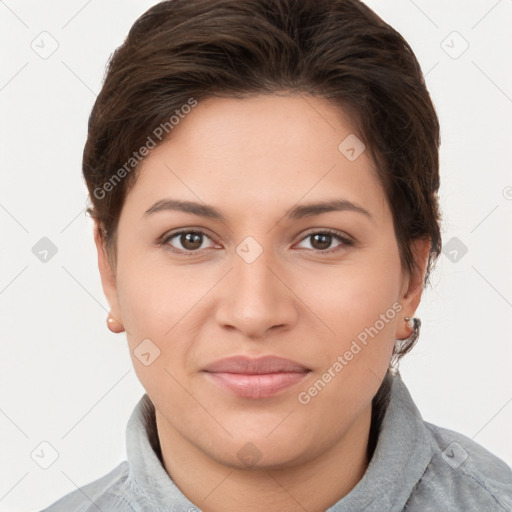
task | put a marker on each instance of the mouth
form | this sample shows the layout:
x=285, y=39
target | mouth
x=263, y=377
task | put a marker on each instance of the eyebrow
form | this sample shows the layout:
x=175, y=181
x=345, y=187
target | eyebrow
x=297, y=212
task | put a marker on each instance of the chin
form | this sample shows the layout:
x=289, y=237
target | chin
x=250, y=458
x=257, y=450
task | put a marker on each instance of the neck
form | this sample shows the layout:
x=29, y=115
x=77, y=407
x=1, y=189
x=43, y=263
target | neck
x=313, y=485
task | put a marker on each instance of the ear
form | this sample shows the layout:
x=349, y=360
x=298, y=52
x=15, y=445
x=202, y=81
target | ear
x=107, y=273
x=413, y=285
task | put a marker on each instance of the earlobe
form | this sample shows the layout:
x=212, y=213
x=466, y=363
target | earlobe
x=113, y=324
x=108, y=281
x=414, y=286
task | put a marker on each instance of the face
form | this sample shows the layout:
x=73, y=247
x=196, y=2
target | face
x=250, y=266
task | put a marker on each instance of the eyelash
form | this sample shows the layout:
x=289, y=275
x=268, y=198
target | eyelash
x=345, y=241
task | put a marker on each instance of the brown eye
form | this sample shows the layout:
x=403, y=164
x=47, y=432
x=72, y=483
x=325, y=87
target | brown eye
x=322, y=241
x=186, y=241
x=191, y=241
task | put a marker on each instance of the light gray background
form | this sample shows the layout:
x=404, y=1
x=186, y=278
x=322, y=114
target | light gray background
x=66, y=380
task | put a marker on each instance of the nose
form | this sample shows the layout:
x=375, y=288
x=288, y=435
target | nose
x=256, y=297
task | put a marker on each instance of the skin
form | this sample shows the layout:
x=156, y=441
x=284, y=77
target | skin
x=253, y=160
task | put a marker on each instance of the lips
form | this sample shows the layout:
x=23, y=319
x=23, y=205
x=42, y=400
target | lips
x=255, y=378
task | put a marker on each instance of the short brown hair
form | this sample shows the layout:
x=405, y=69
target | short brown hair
x=336, y=49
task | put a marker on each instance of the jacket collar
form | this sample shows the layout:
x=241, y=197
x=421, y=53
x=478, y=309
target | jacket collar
x=401, y=456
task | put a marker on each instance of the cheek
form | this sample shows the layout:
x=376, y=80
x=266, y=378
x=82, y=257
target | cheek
x=360, y=304
x=149, y=307
x=152, y=295
x=355, y=296
x=362, y=310
x=151, y=330
x=158, y=303
x=143, y=306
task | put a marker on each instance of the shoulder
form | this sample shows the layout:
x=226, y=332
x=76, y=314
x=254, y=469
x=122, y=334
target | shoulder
x=463, y=475
x=107, y=493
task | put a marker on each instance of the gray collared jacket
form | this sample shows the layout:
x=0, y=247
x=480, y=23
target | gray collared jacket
x=416, y=467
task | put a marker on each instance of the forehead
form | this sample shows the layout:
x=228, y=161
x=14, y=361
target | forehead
x=256, y=154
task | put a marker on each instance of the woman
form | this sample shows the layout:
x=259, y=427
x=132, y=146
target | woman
x=264, y=178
